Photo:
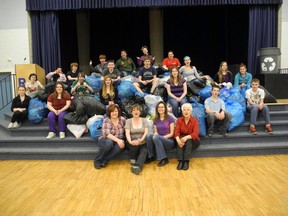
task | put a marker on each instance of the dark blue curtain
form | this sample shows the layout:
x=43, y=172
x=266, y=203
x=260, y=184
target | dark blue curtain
x=46, y=40
x=262, y=32
x=93, y=4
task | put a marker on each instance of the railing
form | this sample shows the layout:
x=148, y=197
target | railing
x=7, y=90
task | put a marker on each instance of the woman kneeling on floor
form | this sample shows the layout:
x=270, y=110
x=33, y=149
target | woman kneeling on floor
x=186, y=135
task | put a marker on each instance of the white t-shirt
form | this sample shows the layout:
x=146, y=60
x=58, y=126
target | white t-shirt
x=255, y=96
x=32, y=87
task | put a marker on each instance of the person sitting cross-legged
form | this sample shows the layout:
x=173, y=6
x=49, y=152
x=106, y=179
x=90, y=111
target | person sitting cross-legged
x=216, y=113
x=255, y=104
x=147, y=78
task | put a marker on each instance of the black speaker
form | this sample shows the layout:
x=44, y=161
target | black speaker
x=277, y=85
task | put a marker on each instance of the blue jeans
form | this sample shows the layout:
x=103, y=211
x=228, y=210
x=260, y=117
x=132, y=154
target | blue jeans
x=253, y=109
x=108, y=150
x=175, y=105
x=160, y=144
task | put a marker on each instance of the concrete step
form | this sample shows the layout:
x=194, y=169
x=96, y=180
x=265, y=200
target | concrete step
x=277, y=125
x=88, y=153
x=274, y=115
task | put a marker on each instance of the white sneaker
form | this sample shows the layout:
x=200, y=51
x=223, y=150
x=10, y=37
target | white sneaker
x=50, y=135
x=62, y=135
x=11, y=125
x=16, y=125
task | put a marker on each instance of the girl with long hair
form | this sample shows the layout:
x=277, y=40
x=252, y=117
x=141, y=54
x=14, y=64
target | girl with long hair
x=177, y=90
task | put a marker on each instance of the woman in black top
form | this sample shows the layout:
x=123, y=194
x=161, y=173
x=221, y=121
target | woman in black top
x=108, y=94
x=19, y=108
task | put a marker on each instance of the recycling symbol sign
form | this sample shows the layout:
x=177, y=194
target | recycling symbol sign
x=268, y=64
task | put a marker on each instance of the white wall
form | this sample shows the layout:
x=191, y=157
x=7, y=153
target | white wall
x=284, y=35
x=14, y=43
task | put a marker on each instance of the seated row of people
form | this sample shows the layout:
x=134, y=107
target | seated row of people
x=145, y=147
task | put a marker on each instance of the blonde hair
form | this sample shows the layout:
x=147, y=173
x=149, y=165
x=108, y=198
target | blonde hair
x=104, y=88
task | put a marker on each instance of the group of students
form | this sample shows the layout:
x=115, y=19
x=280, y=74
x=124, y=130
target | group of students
x=118, y=132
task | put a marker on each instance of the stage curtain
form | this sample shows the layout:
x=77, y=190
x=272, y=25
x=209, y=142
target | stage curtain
x=46, y=40
x=262, y=32
x=40, y=5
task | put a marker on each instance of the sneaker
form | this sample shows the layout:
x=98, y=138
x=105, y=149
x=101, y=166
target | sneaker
x=269, y=129
x=209, y=134
x=135, y=169
x=97, y=164
x=11, y=125
x=252, y=130
x=62, y=135
x=50, y=135
x=16, y=125
x=224, y=134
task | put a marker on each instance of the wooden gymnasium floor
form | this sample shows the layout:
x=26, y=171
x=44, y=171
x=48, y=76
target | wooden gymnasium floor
x=250, y=185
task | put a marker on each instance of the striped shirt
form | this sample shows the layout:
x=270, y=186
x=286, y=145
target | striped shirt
x=177, y=90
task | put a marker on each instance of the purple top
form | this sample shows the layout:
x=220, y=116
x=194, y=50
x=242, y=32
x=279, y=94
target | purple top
x=177, y=90
x=163, y=127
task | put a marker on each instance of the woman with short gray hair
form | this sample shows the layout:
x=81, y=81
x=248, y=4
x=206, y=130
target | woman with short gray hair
x=186, y=135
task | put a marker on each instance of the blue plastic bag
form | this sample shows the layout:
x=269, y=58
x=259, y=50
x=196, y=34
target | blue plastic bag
x=126, y=89
x=96, y=129
x=199, y=113
x=235, y=95
x=238, y=116
x=205, y=92
x=95, y=83
x=224, y=93
x=37, y=111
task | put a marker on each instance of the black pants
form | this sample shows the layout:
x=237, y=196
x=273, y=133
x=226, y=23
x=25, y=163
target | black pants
x=184, y=153
x=19, y=116
x=138, y=153
x=222, y=124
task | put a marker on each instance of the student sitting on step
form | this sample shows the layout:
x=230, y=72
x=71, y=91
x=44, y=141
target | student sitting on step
x=216, y=113
x=255, y=104
x=58, y=103
x=19, y=108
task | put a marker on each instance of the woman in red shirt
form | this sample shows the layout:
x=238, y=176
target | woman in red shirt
x=186, y=135
x=58, y=102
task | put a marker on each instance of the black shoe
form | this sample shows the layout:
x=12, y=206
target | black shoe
x=104, y=163
x=163, y=162
x=224, y=134
x=149, y=160
x=135, y=169
x=180, y=165
x=210, y=134
x=185, y=165
x=97, y=165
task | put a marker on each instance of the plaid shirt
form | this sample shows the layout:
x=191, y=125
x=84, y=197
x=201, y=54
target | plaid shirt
x=109, y=128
